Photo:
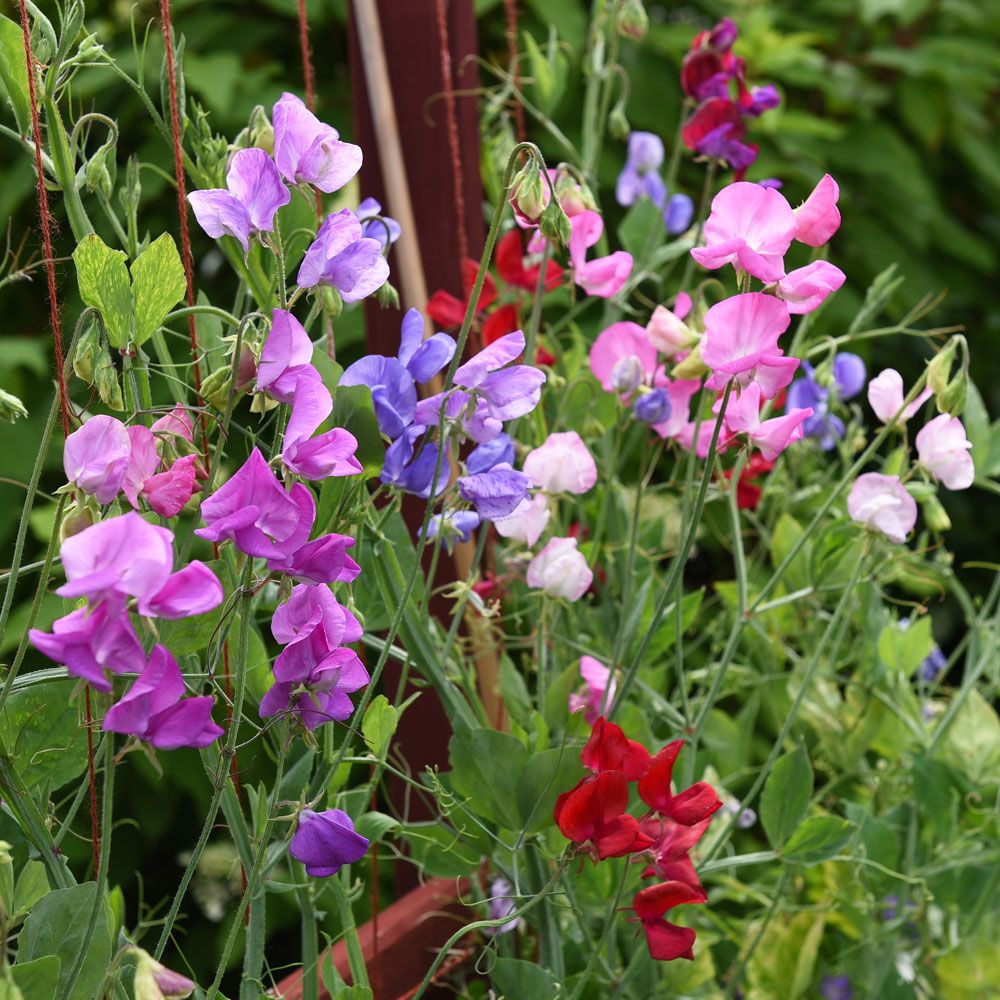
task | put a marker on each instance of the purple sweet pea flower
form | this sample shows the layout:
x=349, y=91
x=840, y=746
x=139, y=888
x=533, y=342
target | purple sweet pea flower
x=375, y=225
x=155, y=711
x=760, y=99
x=771, y=182
x=89, y=641
x=455, y=527
x=343, y=258
x=96, y=457
x=412, y=470
x=307, y=151
x=325, y=842
x=484, y=457
x=678, y=213
x=308, y=608
x=495, y=494
x=257, y=514
x=849, y=374
x=836, y=988
x=848, y=380
x=323, y=560
x=652, y=407
x=640, y=176
x=501, y=904
x=935, y=663
x=322, y=696
x=255, y=193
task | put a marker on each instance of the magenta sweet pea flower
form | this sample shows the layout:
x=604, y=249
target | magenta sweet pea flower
x=325, y=842
x=96, y=457
x=166, y=492
x=177, y=423
x=257, y=514
x=310, y=607
x=343, y=258
x=307, y=151
x=323, y=560
x=603, y=276
x=562, y=464
x=155, y=711
x=253, y=196
x=90, y=640
x=944, y=450
x=770, y=436
x=818, y=217
x=560, y=570
x=805, y=288
x=749, y=227
x=598, y=679
x=741, y=342
x=617, y=351
x=885, y=396
x=883, y=504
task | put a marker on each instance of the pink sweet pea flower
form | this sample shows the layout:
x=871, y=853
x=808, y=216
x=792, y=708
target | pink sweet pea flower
x=604, y=276
x=96, y=457
x=885, y=396
x=680, y=393
x=944, y=451
x=177, y=422
x=805, y=288
x=168, y=492
x=307, y=151
x=527, y=522
x=741, y=342
x=618, y=349
x=560, y=570
x=770, y=436
x=562, y=464
x=668, y=332
x=882, y=503
x=155, y=712
x=323, y=560
x=598, y=679
x=818, y=217
x=750, y=227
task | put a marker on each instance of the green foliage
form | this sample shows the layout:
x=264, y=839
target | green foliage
x=786, y=796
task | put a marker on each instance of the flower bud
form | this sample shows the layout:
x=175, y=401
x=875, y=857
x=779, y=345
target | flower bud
x=529, y=194
x=555, y=224
x=652, y=407
x=156, y=982
x=627, y=374
x=935, y=516
x=668, y=333
x=329, y=299
x=215, y=388
x=261, y=130
x=388, y=297
x=11, y=408
x=939, y=367
x=131, y=191
x=97, y=172
x=618, y=124
x=82, y=514
x=634, y=22
x=952, y=399
x=87, y=353
x=573, y=194
x=106, y=381
x=692, y=366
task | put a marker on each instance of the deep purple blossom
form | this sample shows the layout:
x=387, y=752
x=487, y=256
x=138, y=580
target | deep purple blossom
x=806, y=393
x=307, y=151
x=343, y=258
x=253, y=194
x=652, y=407
x=377, y=226
x=155, y=711
x=495, y=494
x=325, y=842
x=410, y=464
x=640, y=177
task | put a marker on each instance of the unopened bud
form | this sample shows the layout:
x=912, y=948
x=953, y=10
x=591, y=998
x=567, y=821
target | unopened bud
x=634, y=22
x=935, y=516
x=668, y=333
x=555, y=224
x=573, y=194
x=82, y=514
x=692, y=366
x=329, y=300
x=106, y=382
x=261, y=130
x=388, y=297
x=952, y=400
x=618, y=124
x=153, y=981
x=88, y=350
x=627, y=374
x=652, y=407
x=215, y=388
x=11, y=408
x=529, y=194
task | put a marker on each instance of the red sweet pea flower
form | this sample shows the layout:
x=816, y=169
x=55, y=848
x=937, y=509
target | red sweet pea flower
x=672, y=843
x=608, y=749
x=500, y=322
x=448, y=311
x=510, y=265
x=691, y=806
x=666, y=941
x=595, y=811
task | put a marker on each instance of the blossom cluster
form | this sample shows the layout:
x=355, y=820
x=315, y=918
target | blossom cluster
x=594, y=815
x=641, y=178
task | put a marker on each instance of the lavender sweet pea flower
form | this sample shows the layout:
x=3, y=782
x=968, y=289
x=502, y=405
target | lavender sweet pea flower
x=509, y=392
x=501, y=904
x=935, y=663
x=495, y=494
x=255, y=193
x=410, y=469
x=323, y=560
x=325, y=842
x=343, y=258
x=678, y=213
x=155, y=711
x=640, y=176
x=375, y=225
x=307, y=151
x=836, y=988
x=848, y=380
x=652, y=407
x=257, y=514
x=484, y=457
x=96, y=457
x=455, y=527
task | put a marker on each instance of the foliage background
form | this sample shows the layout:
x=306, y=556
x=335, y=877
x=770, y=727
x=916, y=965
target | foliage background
x=896, y=98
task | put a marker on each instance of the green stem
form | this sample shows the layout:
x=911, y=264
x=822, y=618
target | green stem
x=734, y=975
x=349, y=930
x=310, y=946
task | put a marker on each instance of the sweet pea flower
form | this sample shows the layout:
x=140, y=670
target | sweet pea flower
x=716, y=130
x=603, y=276
x=652, y=407
x=325, y=842
x=805, y=288
x=598, y=680
x=528, y=521
x=96, y=457
x=343, y=258
x=485, y=456
x=495, y=494
x=749, y=227
x=308, y=608
x=666, y=941
x=375, y=225
x=457, y=526
x=153, y=981
x=593, y=813
x=616, y=347
x=756, y=100
x=323, y=560
x=692, y=806
x=678, y=213
x=410, y=464
x=254, y=193
x=770, y=436
x=89, y=641
x=836, y=988
x=741, y=342
x=944, y=450
x=560, y=570
x=640, y=177
x=176, y=423
x=501, y=904
x=562, y=464
x=154, y=711
x=882, y=503
x=307, y=151
x=818, y=217
x=257, y=514
x=680, y=393
x=807, y=393
x=165, y=492
x=885, y=396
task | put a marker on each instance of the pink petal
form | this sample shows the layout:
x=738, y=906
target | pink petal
x=818, y=217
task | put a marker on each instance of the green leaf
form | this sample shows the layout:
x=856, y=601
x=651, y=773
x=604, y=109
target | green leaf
x=785, y=799
x=352, y=410
x=354, y=993
x=520, y=980
x=486, y=768
x=642, y=229
x=103, y=280
x=13, y=73
x=57, y=926
x=31, y=885
x=783, y=539
x=375, y=825
x=902, y=650
x=818, y=838
x=40, y=726
x=38, y=978
x=972, y=744
x=157, y=286
x=547, y=775
x=379, y=725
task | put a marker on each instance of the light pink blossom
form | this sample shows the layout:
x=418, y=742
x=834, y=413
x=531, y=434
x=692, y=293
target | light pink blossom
x=527, y=522
x=96, y=457
x=885, y=395
x=603, y=276
x=668, y=333
x=560, y=570
x=882, y=503
x=944, y=451
x=562, y=464
x=805, y=288
x=770, y=436
x=818, y=217
x=598, y=679
x=613, y=349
